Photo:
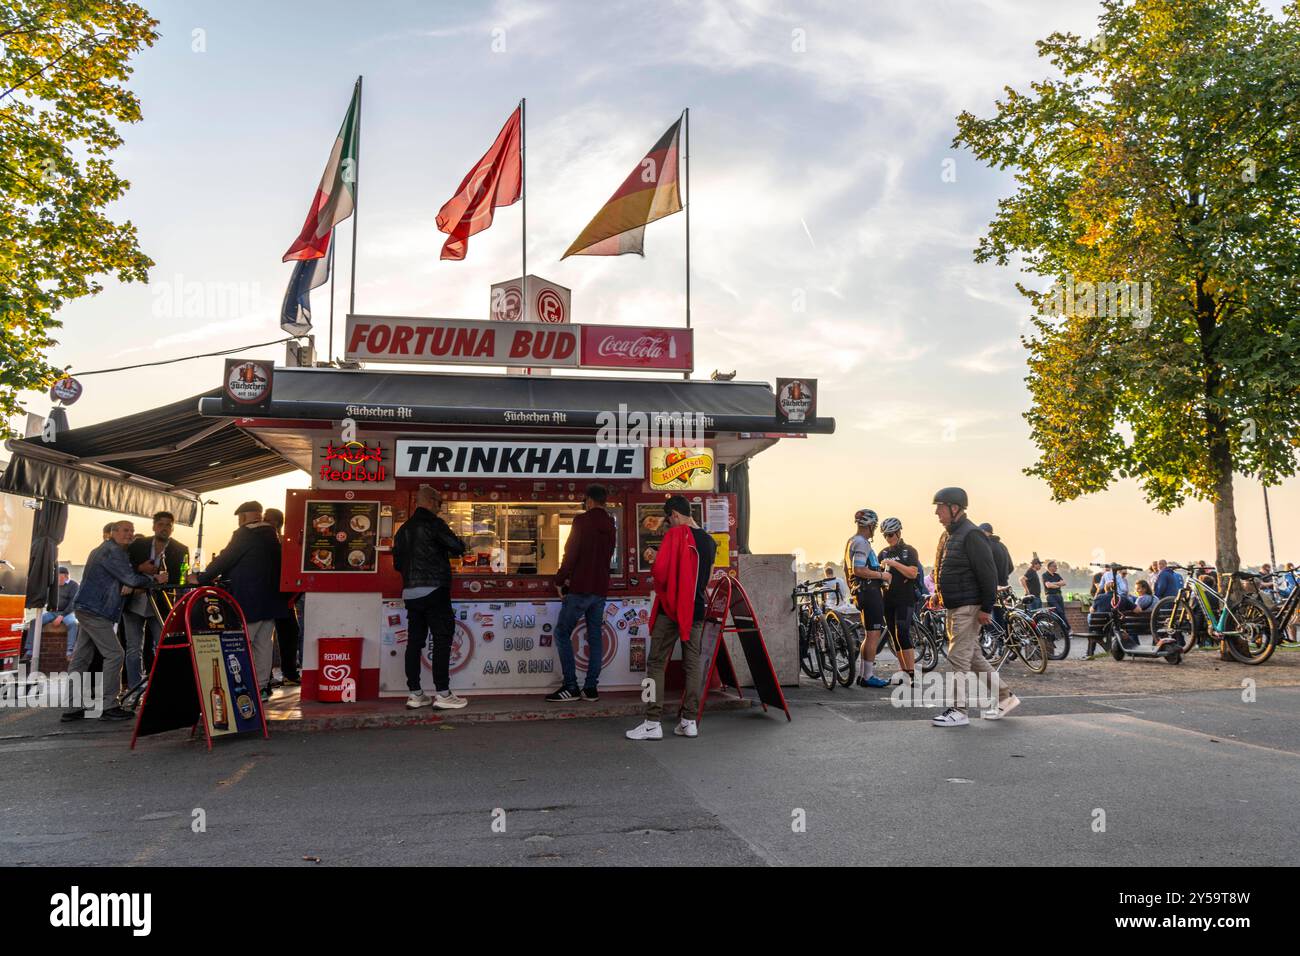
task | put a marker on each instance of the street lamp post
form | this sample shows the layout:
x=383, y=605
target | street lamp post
x=198, y=548
x=1268, y=521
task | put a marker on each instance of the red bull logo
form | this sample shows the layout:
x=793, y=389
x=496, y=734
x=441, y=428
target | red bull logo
x=352, y=461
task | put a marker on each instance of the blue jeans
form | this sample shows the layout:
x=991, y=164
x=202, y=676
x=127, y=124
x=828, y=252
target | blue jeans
x=1035, y=602
x=572, y=609
x=69, y=621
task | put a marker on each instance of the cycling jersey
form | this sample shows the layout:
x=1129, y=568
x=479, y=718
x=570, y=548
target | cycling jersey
x=859, y=553
x=901, y=591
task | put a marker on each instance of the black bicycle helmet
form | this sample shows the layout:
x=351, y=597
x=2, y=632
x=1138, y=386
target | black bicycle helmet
x=950, y=496
x=891, y=526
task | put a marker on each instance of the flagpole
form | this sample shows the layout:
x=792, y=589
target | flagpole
x=356, y=214
x=523, y=189
x=687, y=375
x=329, y=356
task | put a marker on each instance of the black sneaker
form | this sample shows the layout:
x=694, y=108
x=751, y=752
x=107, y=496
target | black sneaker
x=590, y=695
x=563, y=695
x=70, y=715
x=116, y=713
x=266, y=694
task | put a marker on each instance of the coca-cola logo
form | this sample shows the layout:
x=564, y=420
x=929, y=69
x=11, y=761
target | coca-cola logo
x=643, y=346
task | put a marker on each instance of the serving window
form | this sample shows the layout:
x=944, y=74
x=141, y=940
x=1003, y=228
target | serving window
x=519, y=537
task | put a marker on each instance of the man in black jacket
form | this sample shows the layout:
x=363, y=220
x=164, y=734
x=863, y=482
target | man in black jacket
x=161, y=553
x=1002, y=561
x=965, y=575
x=421, y=552
x=250, y=564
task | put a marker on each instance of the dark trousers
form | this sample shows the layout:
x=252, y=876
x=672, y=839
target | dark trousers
x=286, y=641
x=430, y=614
x=1057, y=602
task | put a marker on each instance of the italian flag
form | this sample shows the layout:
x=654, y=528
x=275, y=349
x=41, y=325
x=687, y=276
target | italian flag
x=649, y=193
x=336, y=195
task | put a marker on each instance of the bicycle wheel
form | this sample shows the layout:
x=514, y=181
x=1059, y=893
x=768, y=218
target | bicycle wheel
x=825, y=653
x=1256, y=636
x=1054, y=635
x=1027, y=644
x=808, y=661
x=993, y=644
x=927, y=648
x=838, y=634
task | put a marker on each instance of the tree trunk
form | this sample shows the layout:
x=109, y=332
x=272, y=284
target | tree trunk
x=1218, y=433
x=1226, y=557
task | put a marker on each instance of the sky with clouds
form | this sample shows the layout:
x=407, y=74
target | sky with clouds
x=827, y=240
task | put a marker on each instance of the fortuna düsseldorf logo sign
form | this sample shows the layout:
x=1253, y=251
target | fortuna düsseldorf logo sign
x=426, y=459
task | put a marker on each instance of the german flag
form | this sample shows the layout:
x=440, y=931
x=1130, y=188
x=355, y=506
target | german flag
x=648, y=193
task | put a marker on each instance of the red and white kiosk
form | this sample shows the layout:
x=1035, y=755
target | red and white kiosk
x=511, y=455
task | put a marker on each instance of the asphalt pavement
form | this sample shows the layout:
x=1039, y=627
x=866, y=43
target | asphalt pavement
x=1134, y=777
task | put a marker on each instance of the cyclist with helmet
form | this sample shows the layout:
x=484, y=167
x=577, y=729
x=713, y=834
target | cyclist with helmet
x=965, y=576
x=904, y=566
x=866, y=579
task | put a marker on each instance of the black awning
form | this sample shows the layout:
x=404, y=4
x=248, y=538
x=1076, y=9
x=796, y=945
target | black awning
x=172, y=452
x=515, y=400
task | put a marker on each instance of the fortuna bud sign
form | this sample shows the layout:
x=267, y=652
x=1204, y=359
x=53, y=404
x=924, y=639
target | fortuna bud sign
x=420, y=341
x=482, y=459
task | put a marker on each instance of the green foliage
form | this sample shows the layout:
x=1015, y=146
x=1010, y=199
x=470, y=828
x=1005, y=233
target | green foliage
x=1166, y=151
x=63, y=67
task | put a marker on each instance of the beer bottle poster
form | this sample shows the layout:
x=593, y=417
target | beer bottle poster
x=340, y=536
x=227, y=687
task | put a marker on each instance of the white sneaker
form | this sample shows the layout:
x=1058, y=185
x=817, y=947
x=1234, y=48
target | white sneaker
x=686, y=728
x=1002, y=709
x=417, y=699
x=952, y=717
x=647, y=730
x=449, y=702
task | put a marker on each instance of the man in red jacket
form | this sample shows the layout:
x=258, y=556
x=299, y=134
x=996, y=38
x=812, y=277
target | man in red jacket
x=681, y=574
x=583, y=579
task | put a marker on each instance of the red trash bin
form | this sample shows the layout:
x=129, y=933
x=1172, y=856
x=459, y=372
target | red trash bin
x=339, y=669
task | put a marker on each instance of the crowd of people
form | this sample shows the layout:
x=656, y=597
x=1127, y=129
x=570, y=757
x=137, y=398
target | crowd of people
x=114, y=622
x=882, y=589
x=114, y=616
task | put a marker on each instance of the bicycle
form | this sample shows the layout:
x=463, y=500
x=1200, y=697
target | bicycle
x=823, y=642
x=1018, y=638
x=1283, y=614
x=1053, y=631
x=1244, y=625
x=925, y=641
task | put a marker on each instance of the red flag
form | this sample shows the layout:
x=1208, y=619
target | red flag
x=495, y=180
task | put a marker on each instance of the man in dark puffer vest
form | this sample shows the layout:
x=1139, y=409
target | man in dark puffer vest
x=965, y=575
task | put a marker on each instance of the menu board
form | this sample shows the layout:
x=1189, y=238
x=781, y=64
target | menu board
x=340, y=536
x=651, y=526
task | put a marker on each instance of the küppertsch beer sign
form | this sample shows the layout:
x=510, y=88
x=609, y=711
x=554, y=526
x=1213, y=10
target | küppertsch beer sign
x=455, y=459
x=419, y=341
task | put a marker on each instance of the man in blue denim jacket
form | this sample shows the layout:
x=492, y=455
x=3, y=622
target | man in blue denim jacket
x=98, y=606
